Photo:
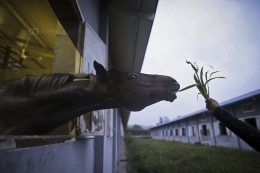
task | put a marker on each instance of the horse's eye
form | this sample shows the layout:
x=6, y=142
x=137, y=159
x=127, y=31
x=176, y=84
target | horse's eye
x=133, y=77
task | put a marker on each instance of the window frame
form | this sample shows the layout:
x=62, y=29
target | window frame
x=222, y=128
x=247, y=107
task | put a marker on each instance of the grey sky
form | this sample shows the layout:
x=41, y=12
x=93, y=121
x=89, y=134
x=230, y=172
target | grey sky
x=222, y=33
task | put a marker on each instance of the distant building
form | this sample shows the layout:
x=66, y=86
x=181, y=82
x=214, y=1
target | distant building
x=202, y=127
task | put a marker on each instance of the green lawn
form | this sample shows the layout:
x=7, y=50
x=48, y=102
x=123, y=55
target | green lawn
x=154, y=156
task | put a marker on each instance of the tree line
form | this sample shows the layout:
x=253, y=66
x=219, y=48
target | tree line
x=137, y=130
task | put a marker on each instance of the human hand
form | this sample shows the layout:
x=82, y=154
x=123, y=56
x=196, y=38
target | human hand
x=211, y=104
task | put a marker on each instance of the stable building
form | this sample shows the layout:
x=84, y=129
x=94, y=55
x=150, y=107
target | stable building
x=66, y=36
x=201, y=126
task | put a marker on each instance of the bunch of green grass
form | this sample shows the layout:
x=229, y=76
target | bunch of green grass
x=200, y=83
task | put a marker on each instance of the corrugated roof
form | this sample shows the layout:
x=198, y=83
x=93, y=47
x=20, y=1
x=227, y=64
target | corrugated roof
x=227, y=102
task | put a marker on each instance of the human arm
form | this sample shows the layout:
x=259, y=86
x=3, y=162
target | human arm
x=243, y=130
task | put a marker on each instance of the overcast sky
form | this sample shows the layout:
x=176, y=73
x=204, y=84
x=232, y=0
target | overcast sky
x=222, y=33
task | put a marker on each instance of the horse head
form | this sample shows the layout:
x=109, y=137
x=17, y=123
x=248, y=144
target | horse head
x=39, y=104
x=135, y=91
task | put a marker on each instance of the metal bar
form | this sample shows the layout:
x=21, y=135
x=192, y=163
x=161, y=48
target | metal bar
x=13, y=59
x=6, y=57
x=25, y=24
x=9, y=50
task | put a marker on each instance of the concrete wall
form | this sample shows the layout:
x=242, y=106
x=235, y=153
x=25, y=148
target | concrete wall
x=108, y=148
x=95, y=153
x=75, y=156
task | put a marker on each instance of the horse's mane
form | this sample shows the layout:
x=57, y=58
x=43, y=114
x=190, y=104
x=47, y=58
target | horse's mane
x=29, y=85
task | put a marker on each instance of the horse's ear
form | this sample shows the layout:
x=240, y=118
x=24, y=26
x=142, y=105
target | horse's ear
x=100, y=70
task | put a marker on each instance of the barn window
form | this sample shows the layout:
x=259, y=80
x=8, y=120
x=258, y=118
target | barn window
x=193, y=131
x=222, y=129
x=170, y=132
x=248, y=108
x=183, y=132
x=176, y=132
x=204, y=131
x=251, y=121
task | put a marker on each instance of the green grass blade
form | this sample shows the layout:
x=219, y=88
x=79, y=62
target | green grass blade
x=213, y=73
x=209, y=66
x=194, y=68
x=202, y=91
x=208, y=88
x=188, y=87
x=200, y=86
x=196, y=79
x=214, y=78
x=201, y=76
x=206, y=75
x=203, y=85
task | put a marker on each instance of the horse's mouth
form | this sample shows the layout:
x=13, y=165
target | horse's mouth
x=172, y=91
x=172, y=95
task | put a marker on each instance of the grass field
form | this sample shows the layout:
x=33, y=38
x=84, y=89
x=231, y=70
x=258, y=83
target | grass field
x=153, y=156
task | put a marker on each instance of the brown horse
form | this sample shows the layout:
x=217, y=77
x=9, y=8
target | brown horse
x=39, y=104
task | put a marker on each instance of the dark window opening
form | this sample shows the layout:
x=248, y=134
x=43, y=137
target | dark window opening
x=176, y=132
x=183, y=132
x=251, y=121
x=222, y=128
x=193, y=131
x=204, y=130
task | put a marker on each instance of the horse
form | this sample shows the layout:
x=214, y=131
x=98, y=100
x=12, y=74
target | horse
x=36, y=105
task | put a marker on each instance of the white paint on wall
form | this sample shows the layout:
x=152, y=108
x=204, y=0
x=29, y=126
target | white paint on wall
x=94, y=49
x=258, y=122
x=190, y=131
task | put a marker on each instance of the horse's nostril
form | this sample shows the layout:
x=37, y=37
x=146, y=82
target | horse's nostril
x=172, y=80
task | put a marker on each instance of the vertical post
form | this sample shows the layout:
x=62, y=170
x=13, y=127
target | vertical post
x=6, y=57
x=187, y=129
x=114, y=152
x=197, y=127
x=99, y=154
x=213, y=130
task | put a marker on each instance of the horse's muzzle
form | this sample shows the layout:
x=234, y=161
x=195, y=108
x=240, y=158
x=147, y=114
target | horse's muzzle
x=175, y=86
x=173, y=81
x=172, y=96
